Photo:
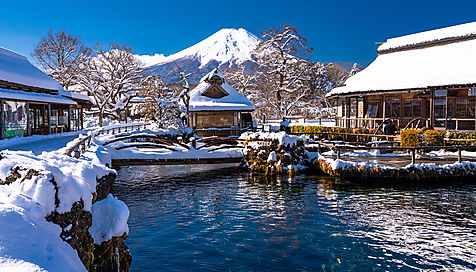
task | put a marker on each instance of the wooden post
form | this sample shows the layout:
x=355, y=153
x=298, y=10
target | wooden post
x=432, y=108
x=459, y=155
x=402, y=111
x=49, y=118
x=446, y=112
x=475, y=113
x=319, y=148
x=70, y=127
x=81, y=117
x=338, y=153
x=384, y=105
x=2, y=119
x=413, y=155
x=28, y=119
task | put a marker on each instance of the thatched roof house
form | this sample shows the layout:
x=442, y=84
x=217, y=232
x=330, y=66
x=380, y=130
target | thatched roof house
x=218, y=108
x=429, y=76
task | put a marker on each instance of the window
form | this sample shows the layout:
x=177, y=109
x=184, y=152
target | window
x=214, y=120
x=392, y=107
x=372, y=110
x=15, y=118
x=412, y=108
x=353, y=107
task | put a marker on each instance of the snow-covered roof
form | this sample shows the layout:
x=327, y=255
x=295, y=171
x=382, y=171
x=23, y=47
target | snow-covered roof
x=458, y=31
x=16, y=68
x=233, y=101
x=34, y=97
x=446, y=64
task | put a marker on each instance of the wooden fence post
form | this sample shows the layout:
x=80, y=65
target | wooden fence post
x=459, y=155
x=338, y=153
x=413, y=155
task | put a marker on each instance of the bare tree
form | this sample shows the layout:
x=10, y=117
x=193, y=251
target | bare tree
x=284, y=57
x=160, y=103
x=112, y=77
x=241, y=78
x=355, y=69
x=336, y=74
x=183, y=74
x=60, y=54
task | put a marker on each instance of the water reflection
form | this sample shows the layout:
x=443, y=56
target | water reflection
x=204, y=218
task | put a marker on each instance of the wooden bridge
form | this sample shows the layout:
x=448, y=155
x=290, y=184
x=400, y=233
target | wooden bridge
x=161, y=150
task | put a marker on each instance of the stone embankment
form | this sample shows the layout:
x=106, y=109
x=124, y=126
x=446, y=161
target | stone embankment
x=279, y=153
x=60, y=197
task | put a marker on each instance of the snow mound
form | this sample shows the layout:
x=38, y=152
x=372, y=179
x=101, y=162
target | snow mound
x=283, y=138
x=33, y=244
x=109, y=219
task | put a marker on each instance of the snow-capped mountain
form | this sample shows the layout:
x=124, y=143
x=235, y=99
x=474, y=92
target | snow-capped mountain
x=222, y=49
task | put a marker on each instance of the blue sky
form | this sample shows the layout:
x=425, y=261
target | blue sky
x=337, y=30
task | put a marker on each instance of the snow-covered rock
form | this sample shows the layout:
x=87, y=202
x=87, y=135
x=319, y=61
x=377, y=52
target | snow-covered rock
x=109, y=219
x=45, y=210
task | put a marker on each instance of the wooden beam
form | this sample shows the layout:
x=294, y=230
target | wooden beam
x=28, y=119
x=2, y=120
x=49, y=118
x=446, y=111
x=432, y=108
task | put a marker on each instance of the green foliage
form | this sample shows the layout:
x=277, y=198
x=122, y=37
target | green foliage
x=415, y=137
x=433, y=138
x=461, y=135
x=410, y=138
x=336, y=133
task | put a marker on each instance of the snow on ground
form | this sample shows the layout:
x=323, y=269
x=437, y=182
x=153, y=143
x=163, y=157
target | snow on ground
x=29, y=242
x=362, y=153
x=442, y=152
x=40, y=143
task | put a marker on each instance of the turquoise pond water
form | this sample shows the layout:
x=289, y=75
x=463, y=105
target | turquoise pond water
x=200, y=218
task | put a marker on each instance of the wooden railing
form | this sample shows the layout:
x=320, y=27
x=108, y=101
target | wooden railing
x=84, y=143
x=413, y=150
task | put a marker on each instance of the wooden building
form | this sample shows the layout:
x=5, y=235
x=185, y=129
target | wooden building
x=215, y=108
x=32, y=102
x=423, y=79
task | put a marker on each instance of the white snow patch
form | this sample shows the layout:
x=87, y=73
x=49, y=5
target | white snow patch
x=272, y=156
x=361, y=153
x=282, y=137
